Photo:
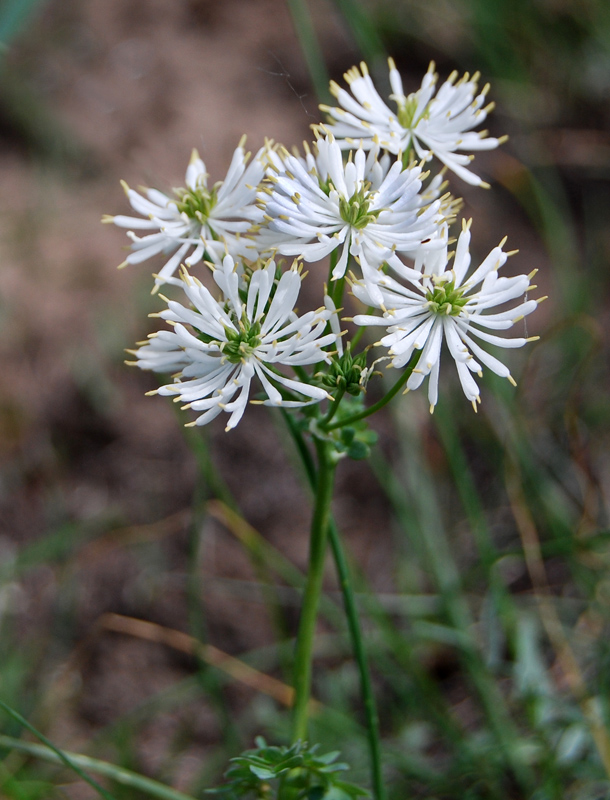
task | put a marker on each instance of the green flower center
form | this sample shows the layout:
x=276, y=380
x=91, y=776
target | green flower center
x=242, y=343
x=196, y=203
x=326, y=186
x=406, y=111
x=355, y=211
x=444, y=298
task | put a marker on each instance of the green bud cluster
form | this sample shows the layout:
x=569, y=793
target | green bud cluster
x=345, y=373
x=446, y=299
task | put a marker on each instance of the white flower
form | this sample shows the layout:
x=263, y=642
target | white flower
x=441, y=303
x=437, y=125
x=219, y=346
x=200, y=221
x=319, y=204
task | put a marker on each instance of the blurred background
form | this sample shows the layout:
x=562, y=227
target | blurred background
x=484, y=539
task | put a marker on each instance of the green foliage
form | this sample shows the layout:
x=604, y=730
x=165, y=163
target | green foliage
x=287, y=773
x=353, y=439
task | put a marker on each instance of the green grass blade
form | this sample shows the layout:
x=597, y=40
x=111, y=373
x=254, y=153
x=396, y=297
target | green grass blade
x=68, y=761
x=363, y=30
x=431, y=541
x=78, y=763
x=310, y=46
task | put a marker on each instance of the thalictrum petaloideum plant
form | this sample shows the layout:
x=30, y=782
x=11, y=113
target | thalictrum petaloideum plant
x=370, y=194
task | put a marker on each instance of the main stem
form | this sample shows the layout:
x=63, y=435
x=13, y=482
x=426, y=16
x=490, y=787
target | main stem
x=353, y=618
x=368, y=697
x=313, y=588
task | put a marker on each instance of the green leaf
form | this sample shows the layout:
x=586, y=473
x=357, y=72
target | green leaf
x=358, y=451
x=337, y=793
x=347, y=435
x=328, y=758
x=263, y=773
x=348, y=789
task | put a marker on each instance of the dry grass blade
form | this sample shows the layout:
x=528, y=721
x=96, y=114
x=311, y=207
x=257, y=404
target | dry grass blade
x=150, y=631
x=138, y=534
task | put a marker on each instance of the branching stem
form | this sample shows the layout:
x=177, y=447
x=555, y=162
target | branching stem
x=313, y=588
x=332, y=410
x=353, y=619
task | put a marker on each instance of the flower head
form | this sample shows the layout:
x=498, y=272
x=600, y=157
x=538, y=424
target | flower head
x=219, y=346
x=198, y=221
x=435, y=302
x=319, y=204
x=430, y=122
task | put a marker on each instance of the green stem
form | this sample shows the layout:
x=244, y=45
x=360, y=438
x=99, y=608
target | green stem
x=444, y=719
x=301, y=445
x=334, y=257
x=313, y=587
x=333, y=407
x=78, y=762
x=353, y=618
x=337, y=292
x=353, y=621
x=301, y=373
x=407, y=156
x=404, y=377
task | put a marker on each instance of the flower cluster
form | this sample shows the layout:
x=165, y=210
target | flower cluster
x=360, y=195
